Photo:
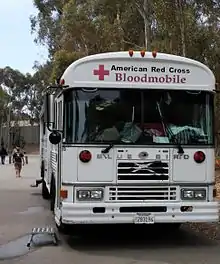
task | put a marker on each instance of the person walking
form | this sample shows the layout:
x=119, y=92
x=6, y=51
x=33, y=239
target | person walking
x=3, y=154
x=18, y=160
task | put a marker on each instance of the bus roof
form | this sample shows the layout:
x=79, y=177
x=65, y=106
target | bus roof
x=141, y=71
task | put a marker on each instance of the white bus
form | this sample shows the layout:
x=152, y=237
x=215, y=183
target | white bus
x=128, y=138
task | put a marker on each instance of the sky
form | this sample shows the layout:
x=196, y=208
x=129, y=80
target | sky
x=17, y=47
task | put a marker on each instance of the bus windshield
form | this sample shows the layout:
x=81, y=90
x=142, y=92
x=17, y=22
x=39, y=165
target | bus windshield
x=139, y=117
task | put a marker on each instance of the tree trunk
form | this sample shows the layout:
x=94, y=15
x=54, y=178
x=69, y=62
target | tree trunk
x=146, y=34
x=181, y=18
x=1, y=126
x=145, y=10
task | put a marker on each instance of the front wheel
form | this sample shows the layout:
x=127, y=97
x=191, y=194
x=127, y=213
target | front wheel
x=52, y=194
x=72, y=229
x=173, y=227
x=44, y=192
x=63, y=229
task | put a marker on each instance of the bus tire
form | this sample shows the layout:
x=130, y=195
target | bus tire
x=63, y=229
x=42, y=170
x=173, y=227
x=52, y=194
x=45, y=193
x=44, y=190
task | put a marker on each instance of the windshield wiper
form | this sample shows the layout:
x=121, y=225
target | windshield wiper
x=112, y=144
x=169, y=131
x=174, y=139
x=109, y=147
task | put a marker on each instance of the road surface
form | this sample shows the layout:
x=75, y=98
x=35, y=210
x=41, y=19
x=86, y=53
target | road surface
x=22, y=208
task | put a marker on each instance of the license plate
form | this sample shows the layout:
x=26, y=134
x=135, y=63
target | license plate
x=144, y=219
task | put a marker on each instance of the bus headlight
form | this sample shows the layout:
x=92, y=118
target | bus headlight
x=193, y=194
x=90, y=195
x=200, y=194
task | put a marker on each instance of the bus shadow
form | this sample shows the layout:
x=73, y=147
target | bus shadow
x=151, y=237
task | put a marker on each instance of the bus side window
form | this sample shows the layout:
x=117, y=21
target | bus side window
x=55, y=115
x=60, y=115
x=44, y=128
x=69, y=117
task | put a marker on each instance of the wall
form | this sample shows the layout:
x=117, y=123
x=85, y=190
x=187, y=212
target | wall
x=31, y=134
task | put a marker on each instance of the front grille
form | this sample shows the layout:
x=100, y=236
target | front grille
x=139, y=193
x=143, y=171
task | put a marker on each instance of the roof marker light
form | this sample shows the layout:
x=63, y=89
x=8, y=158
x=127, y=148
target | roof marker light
x=62, y=82
x=142, y=53
x=131, y=52
x=154, y=53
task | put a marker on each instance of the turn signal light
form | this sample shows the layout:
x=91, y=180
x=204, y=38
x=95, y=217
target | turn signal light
x=63, y=194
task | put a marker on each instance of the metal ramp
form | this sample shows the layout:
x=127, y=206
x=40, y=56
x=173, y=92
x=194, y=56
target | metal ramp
x=43, y=231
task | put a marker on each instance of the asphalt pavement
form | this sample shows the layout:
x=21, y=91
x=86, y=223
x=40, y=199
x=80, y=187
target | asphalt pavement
x=22, y=208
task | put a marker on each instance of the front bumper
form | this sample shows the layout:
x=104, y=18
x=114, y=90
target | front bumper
x=82, y=213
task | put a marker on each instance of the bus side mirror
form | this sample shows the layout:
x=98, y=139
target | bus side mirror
x=49, y=109
x=55, y=137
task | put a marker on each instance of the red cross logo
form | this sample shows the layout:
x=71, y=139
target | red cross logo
x=101, y=72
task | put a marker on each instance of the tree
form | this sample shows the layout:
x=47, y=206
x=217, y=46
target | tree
x=21, y=90
x=76, y=28
x=146, y=10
